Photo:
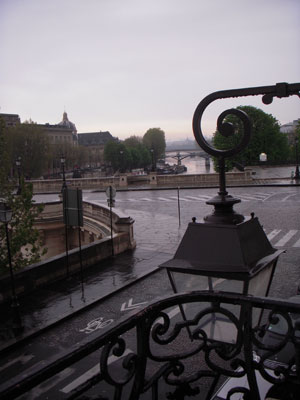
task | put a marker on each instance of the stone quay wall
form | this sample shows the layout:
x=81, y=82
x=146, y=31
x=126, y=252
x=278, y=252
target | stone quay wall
x=151, y=180
x=96, y=218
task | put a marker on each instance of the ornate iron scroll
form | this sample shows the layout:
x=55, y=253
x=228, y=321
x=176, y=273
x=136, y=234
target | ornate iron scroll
x=223, y=202
x=154, y=355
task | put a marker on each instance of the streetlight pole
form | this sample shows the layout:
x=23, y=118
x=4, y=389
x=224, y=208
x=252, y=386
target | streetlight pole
x=65, y=201
x=122, y=160
x=297, y=174
x=152, y=159
x=18, y=164
x=5, y=217
x=62, y=163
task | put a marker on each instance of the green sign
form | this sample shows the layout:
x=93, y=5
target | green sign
x=72, y=206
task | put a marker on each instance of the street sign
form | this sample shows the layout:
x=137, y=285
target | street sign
x=111, y=192
x=111, y=202
x=72, y=206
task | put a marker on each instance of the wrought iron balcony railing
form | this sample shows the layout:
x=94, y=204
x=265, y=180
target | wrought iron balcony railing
x=151, y=354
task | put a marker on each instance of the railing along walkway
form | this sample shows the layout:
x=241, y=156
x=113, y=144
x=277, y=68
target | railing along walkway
x=155, y=357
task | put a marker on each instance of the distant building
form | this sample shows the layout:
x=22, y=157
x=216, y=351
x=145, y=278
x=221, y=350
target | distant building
x=67, y=124
x=95, y=142
x=62, y=133
x=10, y=119
x=290, y=130
x=187, y=144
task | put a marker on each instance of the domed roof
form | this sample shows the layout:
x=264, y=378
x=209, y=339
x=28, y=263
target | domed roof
x=65, y=122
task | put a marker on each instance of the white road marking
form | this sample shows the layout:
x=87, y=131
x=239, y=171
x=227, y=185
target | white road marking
x=297, y=244
x=247, y=197
x=53, y=381
x=286, y=238
x=131, y=306
x=163, y=199
x=180, y=198
x=201, y=198
x=95, y=324
x=272, y=234
x=287, y=197
x=23, y=359
x=90, y=373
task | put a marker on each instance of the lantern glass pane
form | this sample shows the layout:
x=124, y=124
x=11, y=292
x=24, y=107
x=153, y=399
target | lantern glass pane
x=216, y=325
x=259, y=283
x=5, y=213
x=190, y=282
x=258, y=286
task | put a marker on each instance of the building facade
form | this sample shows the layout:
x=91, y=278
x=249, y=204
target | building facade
x=10, y=119
x=64, y=132
x=95, y=142
x=290, y=130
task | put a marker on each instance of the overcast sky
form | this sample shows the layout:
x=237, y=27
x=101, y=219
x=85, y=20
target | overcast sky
x=130, y=65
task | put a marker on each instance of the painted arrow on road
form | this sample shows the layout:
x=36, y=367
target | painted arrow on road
x=131, y=306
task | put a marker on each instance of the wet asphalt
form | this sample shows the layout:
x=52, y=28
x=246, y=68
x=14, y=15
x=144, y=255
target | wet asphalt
x=60, y=301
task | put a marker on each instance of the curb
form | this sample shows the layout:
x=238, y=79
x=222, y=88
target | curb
x=257, y=183
x=14, y=343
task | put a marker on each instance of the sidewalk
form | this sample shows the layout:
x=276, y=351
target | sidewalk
x=64, y=299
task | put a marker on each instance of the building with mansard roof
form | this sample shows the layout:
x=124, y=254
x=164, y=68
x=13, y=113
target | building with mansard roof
x=64, y=132
x=10, y=119
x=290, y=130
x=95, y=142
x=68, y=124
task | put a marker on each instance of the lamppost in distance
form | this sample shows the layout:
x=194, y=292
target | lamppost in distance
x=5, y=218
x=152, y=159
x=62, y=163
x=18, y=165
x=297, y=174
x=122, y=160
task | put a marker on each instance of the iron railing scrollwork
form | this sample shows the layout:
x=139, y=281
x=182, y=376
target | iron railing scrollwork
x=280, y=90
x=153, y=353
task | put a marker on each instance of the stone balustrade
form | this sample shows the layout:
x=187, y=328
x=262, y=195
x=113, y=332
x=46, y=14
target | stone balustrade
x=123, y=181
x=95, y=239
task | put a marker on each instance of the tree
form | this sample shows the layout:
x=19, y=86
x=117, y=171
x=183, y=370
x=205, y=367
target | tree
x=25, y=244
x=133, y=141
x=154, y=139
x=295, y=144
x=132, y=153
x=25, y=241
x=266, y=138
x=76, y=156
x=118, y=155
x=140, y=154
x=30, y=142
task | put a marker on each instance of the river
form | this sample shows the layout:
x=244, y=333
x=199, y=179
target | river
x=195, y=165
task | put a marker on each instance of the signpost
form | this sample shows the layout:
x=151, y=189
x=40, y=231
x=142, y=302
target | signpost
x=111, y=194
x=73, y=216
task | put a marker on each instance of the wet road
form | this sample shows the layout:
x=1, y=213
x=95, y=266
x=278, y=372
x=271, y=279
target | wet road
x=157, y=218
x=157, y=228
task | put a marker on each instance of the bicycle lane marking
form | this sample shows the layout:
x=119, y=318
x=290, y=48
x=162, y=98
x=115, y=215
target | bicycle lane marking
x=95, y=324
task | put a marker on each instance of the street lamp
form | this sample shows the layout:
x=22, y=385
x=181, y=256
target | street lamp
x=5, y=217
x=122, y=160
x=62, y=163
x=152, y=160
x=297, y=174
x=262, y=157
x=227, y=251
x=18, y=164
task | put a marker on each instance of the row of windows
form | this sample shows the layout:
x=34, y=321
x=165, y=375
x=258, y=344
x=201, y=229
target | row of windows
x=60, y=139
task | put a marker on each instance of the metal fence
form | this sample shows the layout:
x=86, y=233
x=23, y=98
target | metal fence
x=157, y=354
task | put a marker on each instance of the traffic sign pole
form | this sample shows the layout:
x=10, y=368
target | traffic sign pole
x=111, y=194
